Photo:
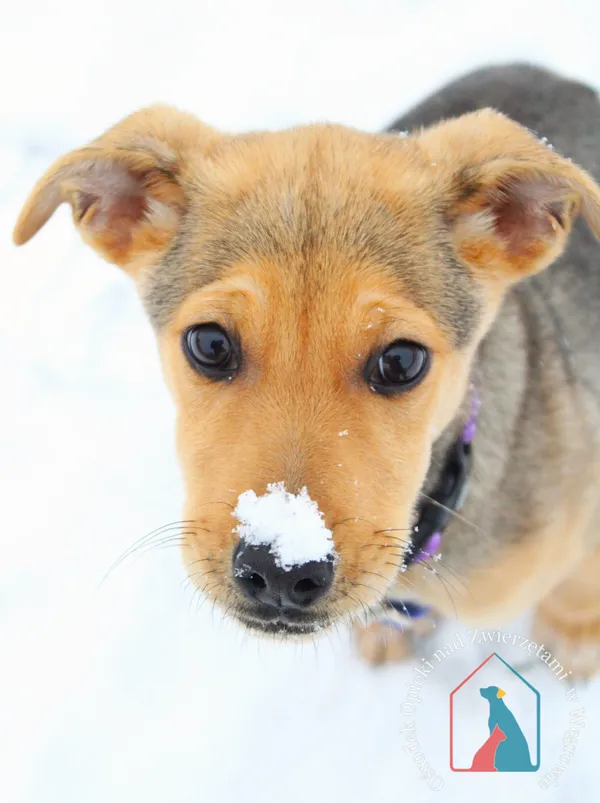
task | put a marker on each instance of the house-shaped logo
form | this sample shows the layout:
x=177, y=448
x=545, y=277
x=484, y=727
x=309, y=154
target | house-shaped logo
x=506, y=733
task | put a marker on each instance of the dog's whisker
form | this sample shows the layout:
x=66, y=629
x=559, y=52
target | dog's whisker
x=202, y=597
x=227, y=612
x=203, y=574
x=162, y=547
x=176, y=538
x=180, y=528
x=352, y=519
x=445, y=587
x=382, y=546
x=362, y=604
x=376, y=574
x=445, y=579
x=397, y=542
x=459, y=579
x=200, y=560
x=334, y=626
x=402, y=579
x=380, y=594
x=154, y=534
x=206, y=591
x=142, y=542
x=430, y=566
x=166, y=527
x=451, y=512
x=227, y=504
x=199, y=590
x=397, y=554
x=193, y=598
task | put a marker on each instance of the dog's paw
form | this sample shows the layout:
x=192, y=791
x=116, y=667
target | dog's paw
x=575, y=645
x=380, y=643
x=386, y=643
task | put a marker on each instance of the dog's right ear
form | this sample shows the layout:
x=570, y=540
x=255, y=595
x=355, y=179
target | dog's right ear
x=127, y=188
x=513, y=200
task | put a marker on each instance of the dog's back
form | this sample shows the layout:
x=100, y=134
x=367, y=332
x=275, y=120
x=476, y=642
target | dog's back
x=566, y=114
x=538, y=366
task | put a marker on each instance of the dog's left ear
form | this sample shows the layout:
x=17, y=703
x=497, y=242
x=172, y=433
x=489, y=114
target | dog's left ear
x=127, y=189
x=512, y=200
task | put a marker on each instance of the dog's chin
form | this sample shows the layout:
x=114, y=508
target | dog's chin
x=283, y=625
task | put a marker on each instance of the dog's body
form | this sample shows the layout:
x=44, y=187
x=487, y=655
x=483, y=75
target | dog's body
x=512, y=752
x=535, y=488
x=355, y=290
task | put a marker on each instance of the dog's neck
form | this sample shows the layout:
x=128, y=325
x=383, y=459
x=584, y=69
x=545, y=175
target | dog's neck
x=447, y=491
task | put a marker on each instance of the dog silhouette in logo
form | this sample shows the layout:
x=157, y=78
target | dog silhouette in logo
x=512, y=753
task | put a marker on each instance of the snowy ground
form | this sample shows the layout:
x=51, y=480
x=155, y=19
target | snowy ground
x=126, y=693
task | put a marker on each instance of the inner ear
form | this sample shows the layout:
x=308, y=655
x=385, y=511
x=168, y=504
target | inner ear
x=515, y=223
x=126, y=188
x=510, y=201
x=527, y=210
x=107, y=193
x=124, y=210
x=125, y=204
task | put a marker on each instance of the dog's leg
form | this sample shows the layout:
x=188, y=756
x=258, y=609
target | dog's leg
x=381, y=643
x=567, y=621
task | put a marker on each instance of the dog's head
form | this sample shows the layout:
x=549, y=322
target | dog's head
x=318, y=295
x=492, y=692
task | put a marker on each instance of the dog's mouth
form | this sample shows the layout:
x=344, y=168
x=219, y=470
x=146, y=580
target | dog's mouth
x=279, y=622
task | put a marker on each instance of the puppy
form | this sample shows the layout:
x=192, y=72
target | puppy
x=335, y=310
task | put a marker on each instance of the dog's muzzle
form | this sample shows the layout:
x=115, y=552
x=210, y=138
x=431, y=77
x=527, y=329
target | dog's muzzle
x=280, y=599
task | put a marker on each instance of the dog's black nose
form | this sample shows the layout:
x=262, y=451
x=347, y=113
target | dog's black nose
x=261, y=579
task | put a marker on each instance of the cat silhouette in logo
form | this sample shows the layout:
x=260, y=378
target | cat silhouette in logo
x=484, y=759
x=512, y=754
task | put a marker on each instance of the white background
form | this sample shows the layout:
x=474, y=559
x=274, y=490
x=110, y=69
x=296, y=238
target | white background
x=126, y=693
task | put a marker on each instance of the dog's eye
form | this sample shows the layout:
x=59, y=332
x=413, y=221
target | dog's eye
x=398, y=368
x=210, y=351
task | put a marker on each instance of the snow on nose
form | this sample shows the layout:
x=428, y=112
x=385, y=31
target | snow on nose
x=291, y=525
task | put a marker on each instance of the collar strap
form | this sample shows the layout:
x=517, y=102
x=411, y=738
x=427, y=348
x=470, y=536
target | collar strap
x=449, y=494
x=447, y=498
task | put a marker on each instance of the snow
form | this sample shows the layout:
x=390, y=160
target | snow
x=291, y=524
x=136, y=692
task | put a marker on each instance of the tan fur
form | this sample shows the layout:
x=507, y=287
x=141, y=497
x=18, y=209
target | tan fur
x=140, y=159
x=520, y=574
x=568, y=619
x=318, y=246
x=379, y=644
x=345, y=474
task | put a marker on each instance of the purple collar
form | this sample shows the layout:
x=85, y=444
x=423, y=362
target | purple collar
x=447, y=498
x=455, y=496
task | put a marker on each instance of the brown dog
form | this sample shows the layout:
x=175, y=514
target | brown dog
x=326, y=303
